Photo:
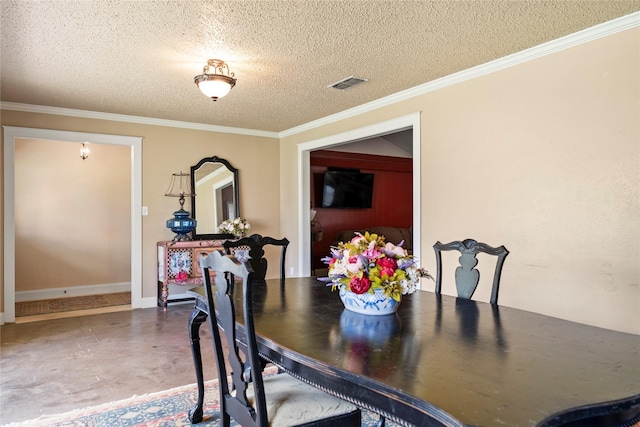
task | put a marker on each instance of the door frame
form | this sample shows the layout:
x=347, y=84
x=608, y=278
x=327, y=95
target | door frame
x=11, y=134
x=410, y=121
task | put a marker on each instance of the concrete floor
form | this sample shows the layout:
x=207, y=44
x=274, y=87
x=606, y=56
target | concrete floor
x=53, y=366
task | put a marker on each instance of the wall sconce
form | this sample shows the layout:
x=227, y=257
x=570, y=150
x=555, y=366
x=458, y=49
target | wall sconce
x=216, y=80
x=181, y=223
x=84, y=151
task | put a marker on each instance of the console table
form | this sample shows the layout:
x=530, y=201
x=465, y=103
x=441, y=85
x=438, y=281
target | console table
x=178, y=268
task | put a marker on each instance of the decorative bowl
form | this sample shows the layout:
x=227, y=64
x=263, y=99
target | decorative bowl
x=376, y=303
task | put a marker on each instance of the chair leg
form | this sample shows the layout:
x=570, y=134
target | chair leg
x=380, y=422
x=197, y=318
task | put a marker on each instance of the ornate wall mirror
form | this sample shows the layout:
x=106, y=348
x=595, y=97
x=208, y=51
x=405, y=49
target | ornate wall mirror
x=215, y=183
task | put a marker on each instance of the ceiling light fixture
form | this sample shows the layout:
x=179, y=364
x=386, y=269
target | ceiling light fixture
x=216, y=80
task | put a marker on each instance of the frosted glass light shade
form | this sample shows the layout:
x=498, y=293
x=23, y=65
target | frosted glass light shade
x=215, y=88
x=216, y=80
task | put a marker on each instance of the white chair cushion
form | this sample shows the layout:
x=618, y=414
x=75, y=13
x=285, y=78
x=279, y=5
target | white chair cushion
x=292, y=402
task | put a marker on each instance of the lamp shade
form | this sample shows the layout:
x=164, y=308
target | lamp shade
x=216, y=80
x=180, y=186
x=215, y=88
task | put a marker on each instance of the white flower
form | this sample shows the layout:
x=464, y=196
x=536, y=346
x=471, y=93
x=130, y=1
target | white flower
x=392, y=250
x=339, y=268
x=235, y=226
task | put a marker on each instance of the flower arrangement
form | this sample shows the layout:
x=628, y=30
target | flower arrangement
x=236, y=226
x=367, y=263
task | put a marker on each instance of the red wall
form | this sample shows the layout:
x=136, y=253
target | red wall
x=392, y=196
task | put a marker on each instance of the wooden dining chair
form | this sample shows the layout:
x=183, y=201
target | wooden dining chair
x=255, y=244
x=254, y=400
x=467, y=276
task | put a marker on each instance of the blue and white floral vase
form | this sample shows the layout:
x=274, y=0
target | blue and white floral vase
x=376, y=303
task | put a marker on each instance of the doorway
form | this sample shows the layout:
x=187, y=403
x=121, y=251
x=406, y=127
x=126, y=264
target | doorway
x=11, y=134
x=411, y=121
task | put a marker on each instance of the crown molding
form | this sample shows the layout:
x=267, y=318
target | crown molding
x=41, y=109
x=592, y=33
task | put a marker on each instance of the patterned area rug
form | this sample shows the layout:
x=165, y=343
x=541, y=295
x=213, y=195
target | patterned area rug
x=58, y=305
x=162, y=409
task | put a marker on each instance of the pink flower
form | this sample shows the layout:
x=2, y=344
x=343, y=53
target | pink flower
x=372, y=253
x=359, y=285
x=182, y=276
x=354, y=264
x=389, y=266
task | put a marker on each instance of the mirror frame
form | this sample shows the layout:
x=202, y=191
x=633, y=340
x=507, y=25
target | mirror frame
x=236, y=196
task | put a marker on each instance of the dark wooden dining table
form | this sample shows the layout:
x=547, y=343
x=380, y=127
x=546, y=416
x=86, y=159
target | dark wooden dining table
x=442, y=360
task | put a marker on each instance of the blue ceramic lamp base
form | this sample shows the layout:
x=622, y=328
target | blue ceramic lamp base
x=181, y=224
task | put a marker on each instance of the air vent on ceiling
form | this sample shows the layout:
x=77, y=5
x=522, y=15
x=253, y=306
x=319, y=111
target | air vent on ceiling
x=347, y=83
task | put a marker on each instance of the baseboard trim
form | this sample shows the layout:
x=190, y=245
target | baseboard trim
x=149, y=302
x=74, y=291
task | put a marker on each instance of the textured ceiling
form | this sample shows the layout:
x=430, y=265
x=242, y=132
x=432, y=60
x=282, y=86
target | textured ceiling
x=139, y=57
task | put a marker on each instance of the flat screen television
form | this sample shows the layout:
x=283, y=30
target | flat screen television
x=347, y=189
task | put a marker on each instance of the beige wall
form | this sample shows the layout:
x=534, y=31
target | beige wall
x=72, y=216
x=166, y=150
x=543, y=157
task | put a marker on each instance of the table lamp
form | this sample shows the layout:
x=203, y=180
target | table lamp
x=181, y=223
